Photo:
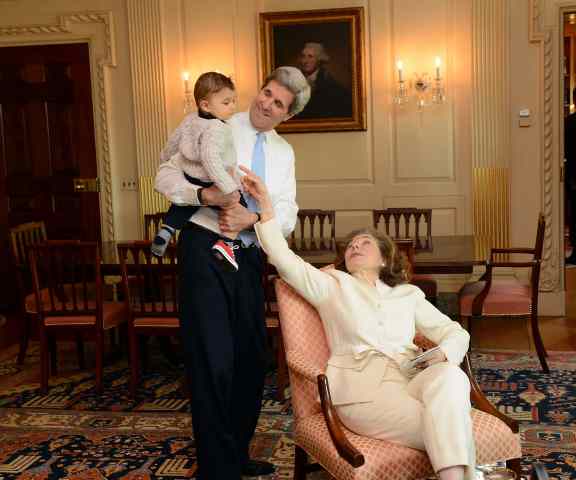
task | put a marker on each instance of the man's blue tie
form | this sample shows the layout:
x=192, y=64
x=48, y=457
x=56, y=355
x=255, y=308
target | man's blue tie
x=258, y=166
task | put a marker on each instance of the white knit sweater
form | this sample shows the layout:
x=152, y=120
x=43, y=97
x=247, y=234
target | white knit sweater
x=205, y=150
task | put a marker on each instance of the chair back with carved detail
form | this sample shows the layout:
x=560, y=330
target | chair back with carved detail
x=67, y=279
x=150, y=284
x=315, y=231
x=413, y=223
x=24, y=235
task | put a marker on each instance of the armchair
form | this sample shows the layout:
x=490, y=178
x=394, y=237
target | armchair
x=508, y=297
x=319, y=433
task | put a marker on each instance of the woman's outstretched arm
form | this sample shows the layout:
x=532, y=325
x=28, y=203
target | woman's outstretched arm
x=313, y=284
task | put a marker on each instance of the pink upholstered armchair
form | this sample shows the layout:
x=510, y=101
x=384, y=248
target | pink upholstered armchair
x=496, y=297
x=319, y=433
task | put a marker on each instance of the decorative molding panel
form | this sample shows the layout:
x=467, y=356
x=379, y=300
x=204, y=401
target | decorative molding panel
x=149, y=93
x=550, y=277
x=66, y=29
x=490, y=125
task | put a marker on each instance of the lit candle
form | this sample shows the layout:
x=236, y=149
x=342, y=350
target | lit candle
x=438, y=62
x=186, y=77
x=400, y=66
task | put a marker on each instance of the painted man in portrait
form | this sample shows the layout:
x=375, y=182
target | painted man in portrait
x=329, y=98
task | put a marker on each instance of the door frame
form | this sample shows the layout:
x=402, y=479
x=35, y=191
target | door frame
x=97, y=30
x=563, y=9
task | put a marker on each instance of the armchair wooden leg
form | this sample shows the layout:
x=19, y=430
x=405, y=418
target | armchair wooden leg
x=99, y=361
x=80, y=351
x=300, y=462
x=514, y=465
x=53, y=348
x=282, y=370
x=24, y=338
x=44, y=362
x=540, y=350
x=134, y=362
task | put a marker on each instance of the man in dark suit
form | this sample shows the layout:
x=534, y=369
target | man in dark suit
x=329, y=98
x=570, y=180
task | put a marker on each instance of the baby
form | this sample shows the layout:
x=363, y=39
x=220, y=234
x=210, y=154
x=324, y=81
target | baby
x=204, y=144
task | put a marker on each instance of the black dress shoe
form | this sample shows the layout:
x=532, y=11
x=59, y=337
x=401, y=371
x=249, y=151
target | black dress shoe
x=255, y=468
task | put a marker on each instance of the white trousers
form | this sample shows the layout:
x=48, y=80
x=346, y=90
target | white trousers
x=429, y=412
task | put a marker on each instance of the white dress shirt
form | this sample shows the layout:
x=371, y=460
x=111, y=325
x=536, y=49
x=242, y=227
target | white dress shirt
x=364, y=324
x=280, y=176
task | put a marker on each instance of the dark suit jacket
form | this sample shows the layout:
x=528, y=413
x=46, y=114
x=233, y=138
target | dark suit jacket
x=328, y=99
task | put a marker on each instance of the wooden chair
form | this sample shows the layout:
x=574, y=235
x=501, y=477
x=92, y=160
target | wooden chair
x=318, y=431
x=316, y=231
x=402, y=223
x=407, y=223
x=150, y=287
x=21, y=238
x=69, y=297
x=494, y=297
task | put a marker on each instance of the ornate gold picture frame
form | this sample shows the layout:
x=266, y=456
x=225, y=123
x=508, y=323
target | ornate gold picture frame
x=328, y=47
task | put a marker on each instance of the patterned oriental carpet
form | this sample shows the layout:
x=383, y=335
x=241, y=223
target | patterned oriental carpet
x=74, y=433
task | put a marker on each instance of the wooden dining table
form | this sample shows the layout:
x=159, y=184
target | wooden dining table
x=453, y=254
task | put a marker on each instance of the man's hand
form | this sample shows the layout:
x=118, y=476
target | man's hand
x=235, y=218
x=213, y=197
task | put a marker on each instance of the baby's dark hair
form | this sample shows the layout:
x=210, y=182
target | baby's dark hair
x=209, y=83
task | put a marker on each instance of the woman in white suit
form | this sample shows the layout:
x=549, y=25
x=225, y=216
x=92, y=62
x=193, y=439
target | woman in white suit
x=370, y=315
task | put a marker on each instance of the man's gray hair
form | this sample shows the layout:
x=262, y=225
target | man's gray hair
x=293, y=80
x=319, y=51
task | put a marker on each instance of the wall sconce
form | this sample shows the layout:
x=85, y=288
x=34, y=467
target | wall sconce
x=188, y=94
x=425, y=90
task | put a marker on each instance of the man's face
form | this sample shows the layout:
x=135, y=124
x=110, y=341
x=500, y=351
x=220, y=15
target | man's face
x=308, y=61
x=270, y=107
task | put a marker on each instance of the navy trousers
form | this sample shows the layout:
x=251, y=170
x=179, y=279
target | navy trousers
x=224, y=337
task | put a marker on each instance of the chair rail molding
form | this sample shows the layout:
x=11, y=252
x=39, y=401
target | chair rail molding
x=102, y=44
x=542, y=33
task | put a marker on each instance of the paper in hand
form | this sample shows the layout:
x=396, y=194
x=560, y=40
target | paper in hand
x=411, y=367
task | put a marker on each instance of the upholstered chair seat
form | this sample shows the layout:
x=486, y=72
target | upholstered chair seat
x=506, y=297
x=393, y=461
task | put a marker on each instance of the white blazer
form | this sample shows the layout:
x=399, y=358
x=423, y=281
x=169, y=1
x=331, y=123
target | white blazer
x=366, y=326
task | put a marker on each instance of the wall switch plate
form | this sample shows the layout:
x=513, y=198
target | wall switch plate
x=524, y=122
x=129, y=184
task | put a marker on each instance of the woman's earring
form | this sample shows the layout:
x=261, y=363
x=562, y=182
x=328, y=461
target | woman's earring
x=383, y=264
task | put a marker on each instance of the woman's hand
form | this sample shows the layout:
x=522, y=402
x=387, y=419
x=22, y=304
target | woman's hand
x=255, y=187
x=438, y=357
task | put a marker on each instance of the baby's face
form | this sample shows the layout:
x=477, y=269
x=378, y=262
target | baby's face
x=221, y=104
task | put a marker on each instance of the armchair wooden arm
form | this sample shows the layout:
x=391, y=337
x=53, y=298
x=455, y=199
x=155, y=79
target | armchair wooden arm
x=345, y=449
x=480, y=401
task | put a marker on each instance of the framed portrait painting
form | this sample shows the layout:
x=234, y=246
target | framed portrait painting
x=328, y=47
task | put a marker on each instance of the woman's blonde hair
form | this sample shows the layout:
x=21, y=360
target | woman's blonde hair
x=396, y=269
